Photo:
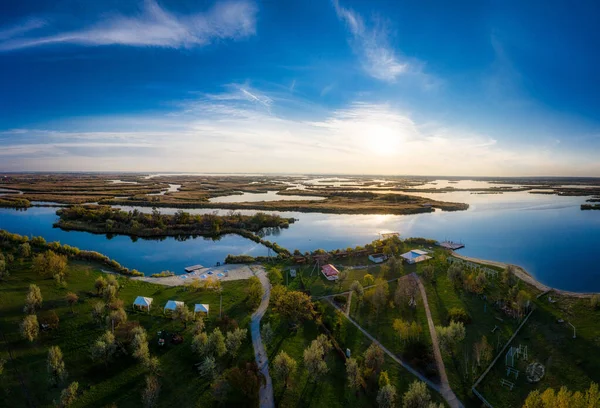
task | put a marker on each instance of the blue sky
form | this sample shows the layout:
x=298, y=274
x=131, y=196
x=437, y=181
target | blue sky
x=369, y=87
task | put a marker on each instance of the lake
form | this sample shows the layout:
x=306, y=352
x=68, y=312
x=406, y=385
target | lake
x=548, y=235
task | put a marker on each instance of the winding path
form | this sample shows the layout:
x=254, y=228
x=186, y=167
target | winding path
x=262, y=360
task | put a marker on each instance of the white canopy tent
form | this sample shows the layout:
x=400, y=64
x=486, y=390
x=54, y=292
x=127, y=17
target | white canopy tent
x=202, y=308
x=142, y=302
x=172, y=305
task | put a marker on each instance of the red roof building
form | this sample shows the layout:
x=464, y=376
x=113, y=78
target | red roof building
x=330, y=272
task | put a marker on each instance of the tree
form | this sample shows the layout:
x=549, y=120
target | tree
x=56, y=366
x=396, y=267
x=71, y=299
x=24, y=250
x=116, y=317
x=109, y=293
x=33, y=300
x=508, y=276
x=406, y=293
x=111, y=280
x=104, y=348
x=354, y=375
x=314, y=360
x=199, y=325
x=182, y=314
x=208, y=367
x=68, y=395
x=386, y=397
x=428, y=271
x=3, y=270
x=100, y=284
x=523, y=300
x=30, y=328
x=98, y=309
x=450, y=336
x=2, y=362
x=455, y=273
x=368, y=279
x=139, y=344
x=216, y=343
x=267, y=333
x=234, y=340
x=483, y=351
x=564, y=398
x=255, y=292
x=380, y=295
x=283, y=367
x=200, y=344
x=417, y=396
x=384, y=379
x=373, y=358
x=292, y=305
x=358, y=290
x=50, y=264
x=151, y=392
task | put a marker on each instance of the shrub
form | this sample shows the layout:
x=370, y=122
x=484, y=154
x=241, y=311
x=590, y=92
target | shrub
x=457, y=314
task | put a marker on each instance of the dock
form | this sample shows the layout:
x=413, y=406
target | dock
x=452, y=245
x=193, y=268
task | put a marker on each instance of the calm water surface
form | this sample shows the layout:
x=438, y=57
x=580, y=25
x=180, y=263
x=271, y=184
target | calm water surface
x=548, y=235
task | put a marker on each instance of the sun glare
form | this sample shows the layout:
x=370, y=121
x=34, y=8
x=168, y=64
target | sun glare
x=383, y=141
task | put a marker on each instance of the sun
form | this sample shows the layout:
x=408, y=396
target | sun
x=383, y=141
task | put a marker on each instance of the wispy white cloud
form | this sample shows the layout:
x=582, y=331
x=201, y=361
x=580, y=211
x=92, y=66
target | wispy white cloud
x=372, y=44
x=232, y=131
x=153, y=26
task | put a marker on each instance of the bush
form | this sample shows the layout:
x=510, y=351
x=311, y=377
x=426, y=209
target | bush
x=456, y=314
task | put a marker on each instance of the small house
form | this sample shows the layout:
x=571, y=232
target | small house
x=330, y=272
x=415, y=255
x=377, y=258
x=142, y=303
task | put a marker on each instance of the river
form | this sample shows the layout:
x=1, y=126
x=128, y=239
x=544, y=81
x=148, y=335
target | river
x=548, y=235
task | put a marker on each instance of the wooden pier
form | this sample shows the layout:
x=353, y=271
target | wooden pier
x=452, y=245
x=193, y=268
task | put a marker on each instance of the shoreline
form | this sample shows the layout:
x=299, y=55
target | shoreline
x=526, y=277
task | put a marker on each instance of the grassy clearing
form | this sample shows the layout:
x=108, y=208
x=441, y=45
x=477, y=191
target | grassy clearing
x=331, y=391
x=442, y=297
x=570, y=362
x=121, y=381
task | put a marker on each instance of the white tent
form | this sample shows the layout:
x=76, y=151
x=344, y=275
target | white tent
x=172, y=305
x=202, y=308
x=142, y=302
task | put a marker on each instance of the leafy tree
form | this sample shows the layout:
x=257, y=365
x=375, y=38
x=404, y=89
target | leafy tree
x=255, y=292
x=243, y=385
x=455, y=274
x=234, y=340
x=104, y=348
x=50, y=264
x=56, y=366
x=33, y=300
x=24, y=250
x=98, y=310
x=406, y=292
x=595, y=301
x=151, y=392
x=564, y=398
x=292, y=305
x=111, y=280
x=109, y=293
x=387, y=396
x=267, y=333
x=208, y=367
x=182, y=314
x=396, y=267
x=30, y=328
x=314, y=360
x=100, y=284
x=374, y=358
x=450, y=336
x=200, y=344
x=199, y=325
x=116, y=317
x=3, y=269
x=384, y=379
x=354, y=375
x=68, y=395
x=408, y=332
x=417, y=396
x=428, y=272
x=284, y=367
x=368, y=279
x=216, y=343
x=380, y=294
x=71, y=299
x=139, y=344
x=358, y=290
x=508, y=276
x=523, y=300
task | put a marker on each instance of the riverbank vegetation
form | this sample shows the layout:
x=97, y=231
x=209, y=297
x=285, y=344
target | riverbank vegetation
x=14, y=202
x=72, y=340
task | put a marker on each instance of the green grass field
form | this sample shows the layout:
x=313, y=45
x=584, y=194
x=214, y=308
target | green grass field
x=122, y=380
x=570, y=362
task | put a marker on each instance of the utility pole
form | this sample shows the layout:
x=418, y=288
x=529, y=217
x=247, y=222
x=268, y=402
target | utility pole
x=574, y=331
